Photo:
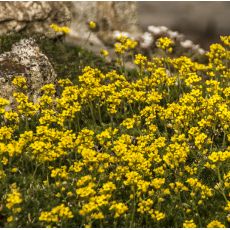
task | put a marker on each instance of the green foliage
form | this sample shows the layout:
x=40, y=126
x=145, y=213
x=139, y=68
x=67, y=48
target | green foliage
x=141, y=148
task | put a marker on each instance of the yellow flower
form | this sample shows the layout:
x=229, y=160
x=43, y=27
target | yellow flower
x=10, y=219
x=3, y=104
x=92, y=25
x=86, y=191
x=225, y=40
x=104, y=52
x=60, y=172
x=97, y=216
x=14, y=170
x=189, y=224
x=124, y=44
x=60, y=29
x=215, y=224
x=144, y=206
x=13, y=198
x=20, y=81
x=4, y=161
x=60, y=211
x=48, y=89
x=157, y=215
x=128, y=123
x=165, y=44
x=140, y=60
x=119, y=209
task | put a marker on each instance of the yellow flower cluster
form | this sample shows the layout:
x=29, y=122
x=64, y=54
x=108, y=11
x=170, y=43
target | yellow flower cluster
x=225, y=40
x=58, y=213
x=189, y=224
x=215, y=224
x=165, y=43
x=124, y=44
x=119, y=209
x=123, y=149
x=13, y=201
x=60, y=29
x=3, y=104
x=20, y=81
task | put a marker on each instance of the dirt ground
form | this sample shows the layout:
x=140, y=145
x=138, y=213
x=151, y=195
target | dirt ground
x=203, y=22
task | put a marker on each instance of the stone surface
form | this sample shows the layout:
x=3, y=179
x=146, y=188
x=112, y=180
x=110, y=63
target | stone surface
x=33, y=16
x=25, y=59
x=109, y=16
x=114, y=18
x=37, y=17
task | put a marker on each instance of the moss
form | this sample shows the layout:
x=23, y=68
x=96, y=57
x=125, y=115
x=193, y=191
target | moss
x=6, y=41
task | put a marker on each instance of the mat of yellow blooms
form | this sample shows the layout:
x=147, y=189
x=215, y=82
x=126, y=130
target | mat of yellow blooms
x=150, y=149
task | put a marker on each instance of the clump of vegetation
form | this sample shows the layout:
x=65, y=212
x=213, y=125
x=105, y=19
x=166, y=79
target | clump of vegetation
x=147, y=148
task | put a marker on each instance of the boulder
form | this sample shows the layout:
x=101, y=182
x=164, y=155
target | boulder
x=33, y=17
x=25, y=59
x=109, y=16
x=36, y=17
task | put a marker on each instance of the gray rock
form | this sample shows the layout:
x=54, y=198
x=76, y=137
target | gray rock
x=108, y=15
x=38, y=16
x=25, y=59
x=33, y=17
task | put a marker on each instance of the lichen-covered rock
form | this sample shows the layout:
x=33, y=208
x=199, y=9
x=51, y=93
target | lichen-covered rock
x=33, y=17
x=36, y=17
x=25, y=59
